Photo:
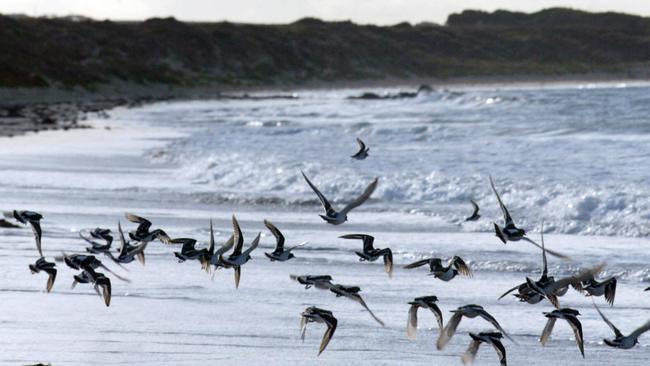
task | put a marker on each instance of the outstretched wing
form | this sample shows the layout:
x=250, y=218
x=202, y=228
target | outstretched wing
x=362, y=198
x=544, y=263
x=224, y=248
x=388, y=261
x=438, y=314
x=501, y=351
x=122, y=240
x=642, y=329
x=331, y=323
x=412, y=322
x=506, y=214
x=470, y=354
x=238, y=236
x=279, y=246
x=509, y=291
x=551, y=252
x=368, y=240
x=610, y=291
x=326, y=204
x=449, y=330
x=419, y=263
x=577, y=331
x=609, y=323
x=38, y=234
x=548, y=329
x=475, y=206
x=462, y=267
x=254, y=244
x=362, y=146
x=485, y=315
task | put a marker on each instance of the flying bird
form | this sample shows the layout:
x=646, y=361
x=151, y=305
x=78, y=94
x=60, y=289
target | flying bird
x=88, y=275
x=316, y=315
x=510, y=232
x=238, y=258
x=280, y=254
x=606, y=288
x=323, y=282
x=338, y=217
x=552, y=289
x=100, y=234
x=143, y=233
x=34, y=220
x=620, y=340
x=128, y=253
x=475, y=215
x=47, y=267
x=446, y=273
x=493, y=338
x=469, y=311
x=370, y=253
x=571, y=316
x=212, y=256
x=425, y=302
x=363, y=151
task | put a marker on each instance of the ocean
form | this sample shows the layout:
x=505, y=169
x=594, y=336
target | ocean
x=571, y=155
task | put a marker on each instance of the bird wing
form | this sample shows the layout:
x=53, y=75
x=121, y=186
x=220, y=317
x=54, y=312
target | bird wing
x=577, y=331
x=357, y=298
x=238, y=237
x=362, y=198
x=51, y=273
x=323, y=200
x=610, y=291
x=582, y=276
x=501, y=351
x=36, y=228
x=470, y=354
x=476, y=208
x=551, y=252
x=438, y=314
x=331, y=323
x=506, y=214
x=224, y=248
x=106, y=292
x=211, y=246
x=412, y=322
x=388, y=262
x=448, y=332
x=298, y=246
x=143, y=224
x=368, y=240
x=609, y=323
x=237, y=275
x=544, y=263
x=122, y=240
x=462, y=267
x=642, y=329
x=509, y=291
x=485, y=315
x=548, y=329
x=362, y=146
x=279, y=246
x=254, y=244
x=419, y=263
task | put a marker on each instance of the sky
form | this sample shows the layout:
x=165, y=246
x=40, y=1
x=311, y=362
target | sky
x=284, y=11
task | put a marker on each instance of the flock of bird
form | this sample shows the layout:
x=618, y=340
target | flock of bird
x=214, y=257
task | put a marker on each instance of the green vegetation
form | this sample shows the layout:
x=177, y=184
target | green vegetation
x=64, y=52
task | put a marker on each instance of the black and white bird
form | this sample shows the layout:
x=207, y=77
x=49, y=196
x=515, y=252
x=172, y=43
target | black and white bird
x=510, y=232
x=317, y=315
x=280, y=253
x=127, y=252
x=100, y=234
x=620, y=340
x=492, y=338
x=446, y=273
x=143, y=234
x=591, y=287
x=526, y=293
x=80, y=261
x=475, y=215
x=34, y=220
x=352, y=293
x=238, y=258
x=370, y=253
x=571, y=316
x=323, y=282
x=338, y=217
x=48, y=267
x=469, y=311
x=425, y=302
x=88, y=275
x=363, y=151
x=552, y=289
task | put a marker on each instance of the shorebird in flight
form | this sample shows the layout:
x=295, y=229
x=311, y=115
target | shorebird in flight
x=47, y=267
x=620, y=340
x=280, y=253
x=492, y=338
x=338, y=217
x=475, y=215
x=510, y=232
x=425, y=302
x=370, y=253
x=317, y=315
x=363, y=151
x=446, y=273
x=571, y=316
x=469, y=311
x=34, y=220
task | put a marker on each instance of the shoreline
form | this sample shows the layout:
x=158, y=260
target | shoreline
x=25, y=110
